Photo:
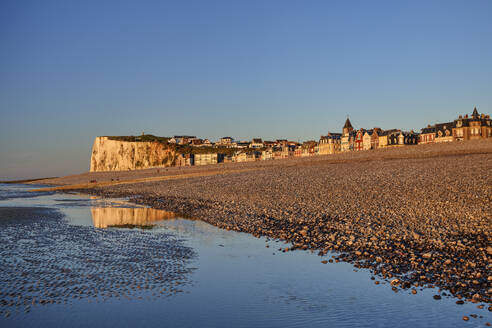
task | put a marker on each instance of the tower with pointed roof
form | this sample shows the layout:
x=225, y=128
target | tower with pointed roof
x=475, y=114
x=348, y=136
x=347, y=128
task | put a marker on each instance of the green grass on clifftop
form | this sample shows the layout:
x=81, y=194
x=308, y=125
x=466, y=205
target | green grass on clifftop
x=142, y=138
x=180, y=149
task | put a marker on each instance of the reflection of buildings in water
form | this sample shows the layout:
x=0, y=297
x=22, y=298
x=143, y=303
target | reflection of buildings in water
x=102, y=217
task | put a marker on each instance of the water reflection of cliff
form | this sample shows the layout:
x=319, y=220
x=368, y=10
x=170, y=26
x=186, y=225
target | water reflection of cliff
x=102, y=217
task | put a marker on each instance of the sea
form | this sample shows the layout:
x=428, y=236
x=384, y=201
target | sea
x=72, y=260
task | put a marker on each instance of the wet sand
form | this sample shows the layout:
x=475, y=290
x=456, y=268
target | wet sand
x=44, y=260
x=416, y=216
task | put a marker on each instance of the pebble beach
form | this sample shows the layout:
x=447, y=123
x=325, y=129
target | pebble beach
x=415, y=216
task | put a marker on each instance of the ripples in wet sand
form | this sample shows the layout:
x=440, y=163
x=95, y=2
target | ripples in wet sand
x=45, y=260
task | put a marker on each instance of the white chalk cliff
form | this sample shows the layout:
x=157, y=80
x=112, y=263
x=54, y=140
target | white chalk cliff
x=116, y=155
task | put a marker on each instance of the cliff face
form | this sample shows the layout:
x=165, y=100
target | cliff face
x=115, y=155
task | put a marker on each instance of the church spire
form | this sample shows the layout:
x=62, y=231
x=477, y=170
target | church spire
x=347, y=125
x=347, y=128
x=475, y=113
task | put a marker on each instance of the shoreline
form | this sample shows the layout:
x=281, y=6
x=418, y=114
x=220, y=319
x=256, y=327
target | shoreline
x=414, y=218
x=27, y=181
x=276, y=230
x=237, y=252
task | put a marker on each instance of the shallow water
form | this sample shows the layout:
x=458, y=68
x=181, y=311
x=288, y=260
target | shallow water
x=225, y=278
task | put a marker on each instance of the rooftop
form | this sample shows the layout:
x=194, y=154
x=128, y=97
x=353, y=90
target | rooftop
x=348, y=125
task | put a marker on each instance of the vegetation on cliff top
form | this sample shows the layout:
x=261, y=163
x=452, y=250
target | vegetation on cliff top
x=180, y=149
x=187, y=149
x=142, y=138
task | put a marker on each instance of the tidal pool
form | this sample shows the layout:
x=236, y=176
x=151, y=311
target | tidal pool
x=108, y=263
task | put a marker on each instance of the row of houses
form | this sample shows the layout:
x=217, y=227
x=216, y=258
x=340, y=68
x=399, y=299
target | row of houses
x=475, y=126
x=464, y=128
x=363, y=139
x=229, y=142
x=255, y=143
x=190, y=140
x=237, y=157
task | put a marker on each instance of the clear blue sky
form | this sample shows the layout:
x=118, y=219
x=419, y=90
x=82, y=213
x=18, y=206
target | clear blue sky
x=72, y=70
